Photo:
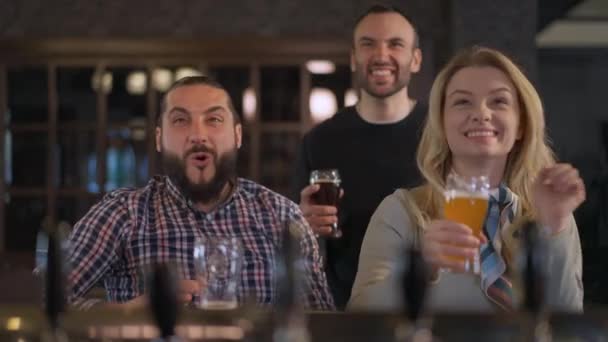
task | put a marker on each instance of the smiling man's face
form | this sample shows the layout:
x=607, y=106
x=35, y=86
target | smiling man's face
x=384, y=54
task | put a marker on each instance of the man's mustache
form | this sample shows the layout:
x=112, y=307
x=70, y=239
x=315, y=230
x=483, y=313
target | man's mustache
x=199, y=149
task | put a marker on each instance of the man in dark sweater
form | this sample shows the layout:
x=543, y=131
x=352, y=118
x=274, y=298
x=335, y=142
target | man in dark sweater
x=372, y=144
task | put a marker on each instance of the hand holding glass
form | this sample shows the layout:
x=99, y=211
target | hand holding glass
x=328, y=193
x=466, y=202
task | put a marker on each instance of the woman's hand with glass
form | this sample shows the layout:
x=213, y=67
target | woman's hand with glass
x=453, y=243
x=447, y=244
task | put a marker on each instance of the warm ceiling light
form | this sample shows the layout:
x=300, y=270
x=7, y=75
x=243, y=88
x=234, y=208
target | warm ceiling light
x=350, y=97
x=138, y=134
x=13, y=323
x=250, y=103
x=186, y=72
x=162, y=79
x=319, y=66
x=102, y=82
x=322, y=104
x=137, y=83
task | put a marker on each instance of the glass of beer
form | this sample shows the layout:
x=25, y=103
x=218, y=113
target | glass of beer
x=466, y=202
x=218, y=262
x=329, y=192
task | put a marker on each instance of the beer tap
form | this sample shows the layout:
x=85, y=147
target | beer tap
x=163, y=301
x=415, y=286
x=56, y=284
x=290, y=321
x=534, y=284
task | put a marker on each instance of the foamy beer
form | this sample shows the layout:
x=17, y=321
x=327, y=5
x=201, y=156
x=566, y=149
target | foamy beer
x=328, y=193
x=466, y=202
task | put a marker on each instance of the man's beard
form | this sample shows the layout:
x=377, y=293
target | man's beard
x=402, y=80
x=225, y=171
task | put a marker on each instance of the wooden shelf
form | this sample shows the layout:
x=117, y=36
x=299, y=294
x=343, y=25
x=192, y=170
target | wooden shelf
x=69, y=126
x=27, y=191
x=29, y=128
x=42, y=192
x=77, y=126
x=222, y=51
x=279, y=127
x=77, y=192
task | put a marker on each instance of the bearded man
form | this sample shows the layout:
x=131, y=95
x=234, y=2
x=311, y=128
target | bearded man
x=198, y=135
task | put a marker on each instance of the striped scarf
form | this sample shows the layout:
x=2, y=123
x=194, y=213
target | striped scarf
x=494, y=282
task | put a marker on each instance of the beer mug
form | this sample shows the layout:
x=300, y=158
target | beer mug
x=218, y=262
x=466, y=202
x=328, y=193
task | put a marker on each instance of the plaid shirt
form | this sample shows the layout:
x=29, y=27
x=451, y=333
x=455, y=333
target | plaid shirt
x=131, y=228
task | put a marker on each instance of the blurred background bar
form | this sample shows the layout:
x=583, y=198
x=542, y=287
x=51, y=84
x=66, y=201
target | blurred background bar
x=81, y=84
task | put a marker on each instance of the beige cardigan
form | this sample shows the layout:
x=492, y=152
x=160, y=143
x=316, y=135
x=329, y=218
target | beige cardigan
x=390, y=230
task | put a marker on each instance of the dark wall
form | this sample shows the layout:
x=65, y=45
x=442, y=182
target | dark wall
x=573, y=84
x=506, y=25
x=445, y=25
x=183, y=18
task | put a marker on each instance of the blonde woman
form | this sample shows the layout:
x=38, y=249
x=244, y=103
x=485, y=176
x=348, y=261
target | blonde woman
x=485, y=118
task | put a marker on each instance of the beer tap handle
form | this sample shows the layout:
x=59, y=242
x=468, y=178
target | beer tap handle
x=533, y=277
x=163, y=299
x=286, y=270
x=415, y=284
x=290, y=321
x=534, y=284
x=56, y=280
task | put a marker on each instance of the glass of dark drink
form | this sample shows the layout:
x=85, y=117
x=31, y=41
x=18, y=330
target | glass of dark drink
x=329, y=192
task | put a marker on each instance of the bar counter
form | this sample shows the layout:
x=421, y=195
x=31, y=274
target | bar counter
x=28, y=324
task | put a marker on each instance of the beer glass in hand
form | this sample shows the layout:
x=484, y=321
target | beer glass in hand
x=218, y=261
x=466, y=202
x=328, y=193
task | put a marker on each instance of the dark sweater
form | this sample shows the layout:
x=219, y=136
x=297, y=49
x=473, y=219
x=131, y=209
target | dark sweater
x=373, y=160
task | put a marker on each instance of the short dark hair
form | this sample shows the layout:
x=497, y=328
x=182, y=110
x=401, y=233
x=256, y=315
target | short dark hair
x=196, y=80
x=380, y=9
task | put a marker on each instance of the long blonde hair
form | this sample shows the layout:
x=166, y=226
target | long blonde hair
x=529, y=154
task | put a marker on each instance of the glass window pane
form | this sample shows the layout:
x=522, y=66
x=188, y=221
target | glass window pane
x=338, y=81
x=77, y=96
x=138, y=139
x=126, y=160
x=127, y=98
x=70, y=210
x=8, y=157
x=328, y=93
x=24, y=218
x=277, y=158
x=28, y=159
x=244, y=159
x=236, y=81
x=280, y=93
x=76, y=148
x=27, y=94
